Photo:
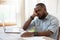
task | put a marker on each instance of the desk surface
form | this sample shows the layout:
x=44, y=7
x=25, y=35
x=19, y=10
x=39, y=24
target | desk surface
x=36, y=38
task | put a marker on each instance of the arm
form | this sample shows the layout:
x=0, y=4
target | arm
x=45, y=33
x=27, y=23
x=30, y=34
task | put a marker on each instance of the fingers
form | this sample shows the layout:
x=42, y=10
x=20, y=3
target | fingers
x=35, y=12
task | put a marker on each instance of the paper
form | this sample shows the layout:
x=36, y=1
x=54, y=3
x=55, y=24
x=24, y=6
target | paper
x=33, y=38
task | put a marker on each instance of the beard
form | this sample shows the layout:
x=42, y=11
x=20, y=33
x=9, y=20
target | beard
x=42, y=17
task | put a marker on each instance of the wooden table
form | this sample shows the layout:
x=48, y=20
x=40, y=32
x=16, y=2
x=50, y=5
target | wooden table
x=7, y=24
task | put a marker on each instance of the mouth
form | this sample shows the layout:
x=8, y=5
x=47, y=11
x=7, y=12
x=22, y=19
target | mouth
x=42, y=17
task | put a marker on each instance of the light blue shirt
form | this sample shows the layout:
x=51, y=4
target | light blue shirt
x=49, y=23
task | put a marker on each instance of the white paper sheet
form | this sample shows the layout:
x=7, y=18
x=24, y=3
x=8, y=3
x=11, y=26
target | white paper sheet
x=33, y=38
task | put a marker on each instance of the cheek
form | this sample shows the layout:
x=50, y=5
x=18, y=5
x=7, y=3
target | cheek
x=40, y=13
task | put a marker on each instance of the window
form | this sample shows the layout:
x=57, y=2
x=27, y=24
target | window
x=9, y=11
x=2, y=1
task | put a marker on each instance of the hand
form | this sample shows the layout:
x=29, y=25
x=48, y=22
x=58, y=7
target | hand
x=34, y=13
x=27, y=34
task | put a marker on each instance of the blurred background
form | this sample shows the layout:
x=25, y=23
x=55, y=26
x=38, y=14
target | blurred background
x=14, y=13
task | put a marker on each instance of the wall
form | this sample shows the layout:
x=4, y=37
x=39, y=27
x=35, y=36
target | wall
x=58, y=10
x=53, y=7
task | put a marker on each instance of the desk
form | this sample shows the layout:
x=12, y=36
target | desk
x=36, y=38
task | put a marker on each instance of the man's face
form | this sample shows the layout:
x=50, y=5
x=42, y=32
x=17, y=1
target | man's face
x=40, y=11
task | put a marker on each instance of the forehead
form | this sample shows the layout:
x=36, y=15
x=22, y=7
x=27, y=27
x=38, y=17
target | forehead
x=39, y=7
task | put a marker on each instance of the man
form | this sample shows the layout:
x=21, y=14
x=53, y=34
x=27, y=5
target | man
x=45, y=24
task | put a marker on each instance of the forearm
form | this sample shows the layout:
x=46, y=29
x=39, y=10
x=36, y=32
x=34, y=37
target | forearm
x=27, y=23
x=30, y=34
x=45, y=33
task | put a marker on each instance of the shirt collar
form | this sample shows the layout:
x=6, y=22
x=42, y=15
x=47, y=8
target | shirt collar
x=47, y=16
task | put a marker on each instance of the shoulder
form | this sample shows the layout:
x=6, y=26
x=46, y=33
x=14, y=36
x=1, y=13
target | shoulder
x=53, y=19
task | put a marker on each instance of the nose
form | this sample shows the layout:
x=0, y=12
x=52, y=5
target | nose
x=40, y=14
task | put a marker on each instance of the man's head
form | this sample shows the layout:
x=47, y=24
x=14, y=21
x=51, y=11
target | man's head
x=40, y=9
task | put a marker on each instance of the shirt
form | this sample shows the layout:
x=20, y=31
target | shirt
x=49, y=23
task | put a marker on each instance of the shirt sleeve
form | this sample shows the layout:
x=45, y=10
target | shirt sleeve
x=32, y=24
x=54, y=25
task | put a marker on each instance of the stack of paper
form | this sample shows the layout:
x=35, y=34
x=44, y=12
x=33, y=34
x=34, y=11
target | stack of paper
x=33, y=38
